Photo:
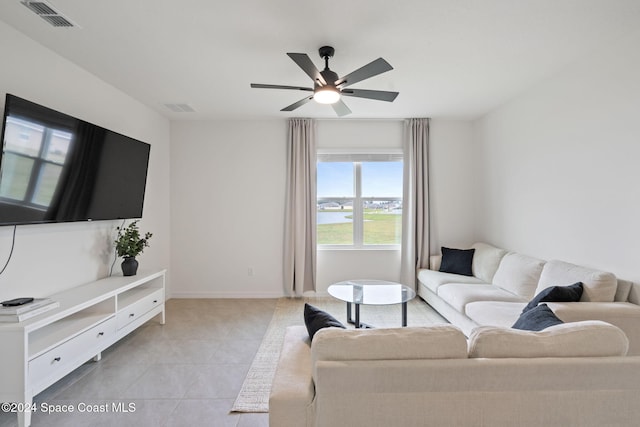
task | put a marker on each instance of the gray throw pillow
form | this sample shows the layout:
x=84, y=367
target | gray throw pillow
x=571, y=293
x=537, y=319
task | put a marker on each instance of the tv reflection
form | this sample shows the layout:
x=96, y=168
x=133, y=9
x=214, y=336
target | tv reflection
x=37, y=176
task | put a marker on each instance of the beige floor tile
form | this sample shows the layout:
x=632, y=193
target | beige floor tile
x=184, y=373
x=203, y=412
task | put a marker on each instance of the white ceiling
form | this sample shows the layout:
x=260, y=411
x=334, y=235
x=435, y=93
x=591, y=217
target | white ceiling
x=451, y=58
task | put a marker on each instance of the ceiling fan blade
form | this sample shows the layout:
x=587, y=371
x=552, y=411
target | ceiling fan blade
x=261, y=86
x=341, y=108
x=297, y=104
x=304, y=62
x=373, y=68
x=378, y=95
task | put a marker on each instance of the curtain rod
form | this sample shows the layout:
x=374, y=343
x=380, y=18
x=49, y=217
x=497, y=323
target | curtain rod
x=364, y=119
x=331, y=119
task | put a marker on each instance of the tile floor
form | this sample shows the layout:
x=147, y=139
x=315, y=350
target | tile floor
x=185, y=373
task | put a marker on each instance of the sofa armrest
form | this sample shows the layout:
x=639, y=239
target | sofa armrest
x=292, y=391
x=434, y=262
x=624, y=315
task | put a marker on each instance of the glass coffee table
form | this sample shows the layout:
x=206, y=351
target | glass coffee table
x=371, y=292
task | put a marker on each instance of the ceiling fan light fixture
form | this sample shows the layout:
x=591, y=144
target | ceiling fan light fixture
x=326, y=95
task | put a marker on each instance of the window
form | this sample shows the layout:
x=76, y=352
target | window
x=359, y=200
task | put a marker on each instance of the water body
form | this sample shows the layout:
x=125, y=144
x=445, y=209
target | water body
x=325, y=217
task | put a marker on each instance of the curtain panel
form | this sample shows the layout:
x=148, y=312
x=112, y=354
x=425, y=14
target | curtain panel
x=415, y=211
x=300, y=209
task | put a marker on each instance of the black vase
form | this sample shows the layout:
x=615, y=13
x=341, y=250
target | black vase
x=129, y=266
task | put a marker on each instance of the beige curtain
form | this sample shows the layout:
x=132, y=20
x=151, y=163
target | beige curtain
x=300, y=210
x=415, y=211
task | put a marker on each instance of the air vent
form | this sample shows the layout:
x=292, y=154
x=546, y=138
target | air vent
x=48, y=13
x=180, y=108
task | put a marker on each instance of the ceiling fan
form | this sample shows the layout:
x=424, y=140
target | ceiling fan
x=328, y=88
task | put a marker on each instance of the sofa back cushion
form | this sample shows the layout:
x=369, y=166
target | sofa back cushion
x=429, y=342
x=486, y=259
x=519, y=274
x=590, y=338
x=598, y=286
x=623, y=290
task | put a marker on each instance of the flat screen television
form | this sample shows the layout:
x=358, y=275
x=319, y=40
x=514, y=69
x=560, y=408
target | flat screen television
x=57, y=168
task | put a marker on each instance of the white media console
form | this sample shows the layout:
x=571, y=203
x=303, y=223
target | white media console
x=39, y=351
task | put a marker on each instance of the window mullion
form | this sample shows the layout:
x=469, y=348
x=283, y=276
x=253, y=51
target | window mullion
x=358, y=215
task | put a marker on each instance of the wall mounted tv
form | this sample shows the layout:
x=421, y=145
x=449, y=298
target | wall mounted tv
x=57, y=168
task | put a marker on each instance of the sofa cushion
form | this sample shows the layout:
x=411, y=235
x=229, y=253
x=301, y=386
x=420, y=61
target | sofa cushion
x=429, y=342
x=486, y=260
x=316, y=319
x=518, y=274
x=494, y=313
x=434, y=279
x=537, y=319
x=598, y=286
x=591, y=338
x=571, y=293
x=458, y=295
x=457, y=261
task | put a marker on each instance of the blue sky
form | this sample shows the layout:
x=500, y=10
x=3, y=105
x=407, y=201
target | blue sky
x=379, y=179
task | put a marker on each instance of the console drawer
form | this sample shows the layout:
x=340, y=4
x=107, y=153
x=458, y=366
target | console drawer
x=133, y=311
x=72, y=353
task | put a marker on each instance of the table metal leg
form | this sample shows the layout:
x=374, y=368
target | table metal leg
x=404, y=314
x=355, y=321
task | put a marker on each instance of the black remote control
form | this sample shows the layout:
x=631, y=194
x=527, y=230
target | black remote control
x=16, y=301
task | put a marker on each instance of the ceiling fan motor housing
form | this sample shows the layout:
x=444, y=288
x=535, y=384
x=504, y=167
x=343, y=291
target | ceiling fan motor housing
x=329, y=76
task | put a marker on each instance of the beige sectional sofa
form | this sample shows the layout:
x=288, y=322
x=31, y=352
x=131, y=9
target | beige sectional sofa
x=573, y=374
x=503, y=282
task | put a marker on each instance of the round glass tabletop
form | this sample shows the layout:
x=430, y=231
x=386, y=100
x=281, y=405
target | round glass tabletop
x=371, y=292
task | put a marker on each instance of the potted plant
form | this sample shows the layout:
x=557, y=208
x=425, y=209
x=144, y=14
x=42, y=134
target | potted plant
x=130, y=244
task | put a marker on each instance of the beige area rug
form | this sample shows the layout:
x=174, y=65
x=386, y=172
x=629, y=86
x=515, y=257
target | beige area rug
x=254, y=394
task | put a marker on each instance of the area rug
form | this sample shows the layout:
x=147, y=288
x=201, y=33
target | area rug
x=254, y=394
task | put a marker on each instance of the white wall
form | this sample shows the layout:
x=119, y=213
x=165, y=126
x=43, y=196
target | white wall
x=52, y=257
x=228, y=188
x=452, y=175
x=559, y=167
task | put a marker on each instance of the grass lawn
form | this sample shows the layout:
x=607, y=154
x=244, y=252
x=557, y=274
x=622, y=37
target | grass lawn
x=379, y=229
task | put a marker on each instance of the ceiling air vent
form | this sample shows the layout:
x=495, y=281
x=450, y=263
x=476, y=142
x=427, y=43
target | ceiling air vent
x=180, y=108
x=45, y=11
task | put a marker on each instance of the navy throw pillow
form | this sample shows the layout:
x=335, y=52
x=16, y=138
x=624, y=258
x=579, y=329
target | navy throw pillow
x=571, y=293
x=316, y=319
x=457, y=261
x=537, y=319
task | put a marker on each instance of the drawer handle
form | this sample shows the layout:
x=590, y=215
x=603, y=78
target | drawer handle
x=100, y=334
x=132, y=314
x=57, y=359
x=155, y=301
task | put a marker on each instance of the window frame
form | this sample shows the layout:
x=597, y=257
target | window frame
x=357, y=157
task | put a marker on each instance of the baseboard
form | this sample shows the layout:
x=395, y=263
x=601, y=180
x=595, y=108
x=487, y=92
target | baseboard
x=195, y=295
x=221, y=295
